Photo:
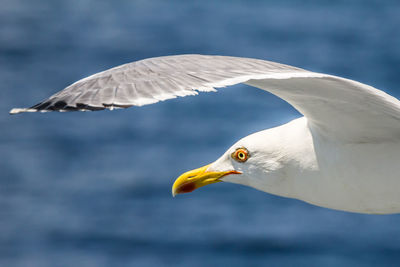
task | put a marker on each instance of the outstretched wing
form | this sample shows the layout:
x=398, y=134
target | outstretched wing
x=334, y=106
x=155, y=79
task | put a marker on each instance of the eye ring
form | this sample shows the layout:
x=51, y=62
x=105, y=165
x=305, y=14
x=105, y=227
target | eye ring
x=240, y=154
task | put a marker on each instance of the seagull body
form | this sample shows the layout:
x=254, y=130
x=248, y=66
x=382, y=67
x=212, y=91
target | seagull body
x=343, y=154
x=298, y=164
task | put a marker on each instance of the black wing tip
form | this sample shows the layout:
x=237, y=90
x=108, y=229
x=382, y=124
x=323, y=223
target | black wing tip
x=61, y=106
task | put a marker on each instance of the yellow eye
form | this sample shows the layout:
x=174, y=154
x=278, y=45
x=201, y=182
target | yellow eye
x=241, y=155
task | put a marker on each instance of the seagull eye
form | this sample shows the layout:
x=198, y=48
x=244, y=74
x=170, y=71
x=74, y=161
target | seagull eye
x=241, y=154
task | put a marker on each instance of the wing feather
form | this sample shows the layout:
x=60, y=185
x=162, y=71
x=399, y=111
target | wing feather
x=335, y=107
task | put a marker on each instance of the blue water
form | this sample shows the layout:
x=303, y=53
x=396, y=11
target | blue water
x=94, y=189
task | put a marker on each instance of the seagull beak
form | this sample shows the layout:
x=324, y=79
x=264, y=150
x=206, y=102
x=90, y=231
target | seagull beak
x=194, y=179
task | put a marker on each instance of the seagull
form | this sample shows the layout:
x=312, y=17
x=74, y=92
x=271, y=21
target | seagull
x=343, y=154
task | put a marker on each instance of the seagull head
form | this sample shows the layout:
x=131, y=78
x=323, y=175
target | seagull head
x=251, y=161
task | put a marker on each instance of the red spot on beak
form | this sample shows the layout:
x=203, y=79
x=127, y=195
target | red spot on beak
x=186, y=188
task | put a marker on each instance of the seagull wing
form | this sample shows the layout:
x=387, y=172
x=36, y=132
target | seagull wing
x=335, y=107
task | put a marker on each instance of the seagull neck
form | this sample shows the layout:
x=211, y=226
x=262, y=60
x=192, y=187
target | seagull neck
x=288, y=161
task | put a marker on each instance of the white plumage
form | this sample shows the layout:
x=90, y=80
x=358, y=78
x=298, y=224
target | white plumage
x=343, y=154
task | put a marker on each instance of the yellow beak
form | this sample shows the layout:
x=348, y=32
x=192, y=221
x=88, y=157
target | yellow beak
x=194, y=179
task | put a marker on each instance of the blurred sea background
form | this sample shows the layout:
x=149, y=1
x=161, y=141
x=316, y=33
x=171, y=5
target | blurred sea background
x=94, y=189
